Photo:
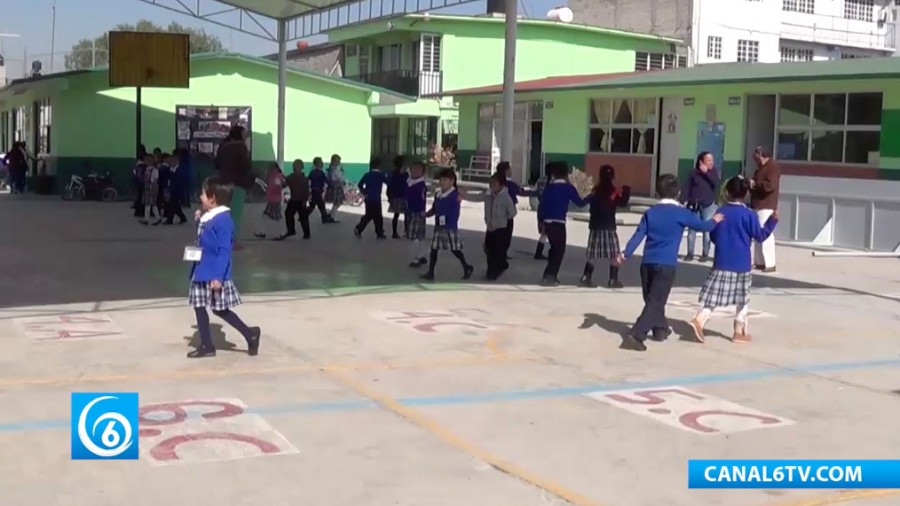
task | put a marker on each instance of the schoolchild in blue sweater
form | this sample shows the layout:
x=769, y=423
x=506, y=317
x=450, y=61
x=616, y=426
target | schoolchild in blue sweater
x=603, y=238
x=552, y=212
x=446, y=209
x=317, y=183
x=729, y=280
x=371, y=186
x=514, y=190
x=415, y=192
x=396, y=194
x=663, y=226
x=211, y=283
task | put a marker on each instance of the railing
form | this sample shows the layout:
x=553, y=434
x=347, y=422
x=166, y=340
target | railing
x=838, y=31
x=843, y=221
x=415, y=83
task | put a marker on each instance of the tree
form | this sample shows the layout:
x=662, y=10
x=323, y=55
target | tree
x=87, y=53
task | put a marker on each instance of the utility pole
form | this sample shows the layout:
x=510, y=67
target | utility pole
x=52, y=36
x=93, y=53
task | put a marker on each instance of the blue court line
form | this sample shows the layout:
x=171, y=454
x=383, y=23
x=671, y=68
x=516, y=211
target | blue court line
x=519, y=395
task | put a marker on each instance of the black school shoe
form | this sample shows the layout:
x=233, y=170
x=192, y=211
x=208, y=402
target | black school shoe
x=550, y=282
x=467, y=272
x=428, y=276
x=660, y=335
x=632, y=343
x=202, y=353
x=253, y=344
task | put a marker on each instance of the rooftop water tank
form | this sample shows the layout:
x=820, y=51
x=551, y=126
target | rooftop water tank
x=561, y=14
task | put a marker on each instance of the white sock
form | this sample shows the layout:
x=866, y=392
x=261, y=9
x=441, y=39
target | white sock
x=416, y=249
x=740, y=316
x=703, y=315
x=543, y=239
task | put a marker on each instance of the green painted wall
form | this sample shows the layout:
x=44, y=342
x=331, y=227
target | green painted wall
x=566, y=123
x=95, y=123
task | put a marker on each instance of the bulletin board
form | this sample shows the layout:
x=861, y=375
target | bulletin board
x=201, y=129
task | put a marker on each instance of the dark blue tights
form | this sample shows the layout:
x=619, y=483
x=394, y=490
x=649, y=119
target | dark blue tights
x=230, y=318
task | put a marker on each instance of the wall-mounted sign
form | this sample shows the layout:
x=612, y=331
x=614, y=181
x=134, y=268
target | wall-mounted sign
x=689, y=101
x=734, y=100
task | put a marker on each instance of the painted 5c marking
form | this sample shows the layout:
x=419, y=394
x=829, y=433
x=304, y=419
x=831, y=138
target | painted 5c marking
x=650, y=397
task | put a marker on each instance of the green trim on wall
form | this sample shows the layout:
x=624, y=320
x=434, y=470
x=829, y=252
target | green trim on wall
x=730, y=168
x=890, y=131
x=888, y=174
x=889, y=163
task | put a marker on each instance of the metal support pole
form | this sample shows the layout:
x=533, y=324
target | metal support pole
x=282, y=88
x=509, y=81
x=138, y=122
x=52, y=38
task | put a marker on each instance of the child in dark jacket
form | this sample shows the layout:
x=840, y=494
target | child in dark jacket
x=211, y=283
x=371, y=185
x=446, y=209
x=552, y=213
x=603, y=239
x=318, y=181
x=396, y=194
x=416, y=189
x=663, y=226
x=729, y=280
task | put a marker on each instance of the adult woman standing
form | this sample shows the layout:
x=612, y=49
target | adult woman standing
x=235, y=168
x=699, y=195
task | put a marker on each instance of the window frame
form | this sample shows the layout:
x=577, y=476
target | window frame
x=5, y=129
x=43, y=126
x=861, y=10
x=811, y=127
x=612, y=125
x=751, y=45
x=797, y=52
x=714, y=47
x=801, y=6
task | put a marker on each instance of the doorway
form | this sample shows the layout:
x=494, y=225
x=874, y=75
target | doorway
x=760, y=112
x=536, y=152
x=669, y=137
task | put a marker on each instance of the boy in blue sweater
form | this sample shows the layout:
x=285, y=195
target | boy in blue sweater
x=552, y=212
x=663, y=226
x=445, y=209
x=371, y=185
x=729, y=280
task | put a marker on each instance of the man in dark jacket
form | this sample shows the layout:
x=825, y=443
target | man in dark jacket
x=298, y=205
x=765, y=188
x=699, y=195
x=234, y=166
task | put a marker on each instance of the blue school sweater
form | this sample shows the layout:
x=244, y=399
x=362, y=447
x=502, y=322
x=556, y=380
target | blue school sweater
x=396, y=185
x=555, y=200
x=733, y=237
x=215, y=242
x=415, y=195
x=513, y=189
x=372, y=184
x=446, y=210
x=317, y=179
x=663, y=225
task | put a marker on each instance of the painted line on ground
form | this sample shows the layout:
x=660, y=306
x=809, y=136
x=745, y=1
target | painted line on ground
x=521, y=395
x=839, y=498
x=449, y=437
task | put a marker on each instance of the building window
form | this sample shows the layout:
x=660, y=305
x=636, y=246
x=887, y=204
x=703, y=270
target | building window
x=422, y=133
x=748, y=50
x=44, y=113
x=796, y=54
x=805, y=6
x=386, y=137
x=853, y=56
x=626, y=126
x=644, y=61
x=20, y=121
x=4, y=132
x=862, y=10
x=429, y=53
x=714, y=48
x=829, y=128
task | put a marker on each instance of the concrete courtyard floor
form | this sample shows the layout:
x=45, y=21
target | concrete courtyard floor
x=373, y=389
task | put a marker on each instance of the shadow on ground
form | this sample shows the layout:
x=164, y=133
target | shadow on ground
x=68, y=252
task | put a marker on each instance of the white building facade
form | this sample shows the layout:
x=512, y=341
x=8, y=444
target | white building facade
x=770, y=31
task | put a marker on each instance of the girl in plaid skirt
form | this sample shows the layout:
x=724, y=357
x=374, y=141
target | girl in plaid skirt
x=270, y=222
x=445, y=209
x=416, y=188
x=603, y=240
x=211, y=283
x=396, y=193
x=730, y=279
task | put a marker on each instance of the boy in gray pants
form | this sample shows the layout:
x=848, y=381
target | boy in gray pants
x=499, y=210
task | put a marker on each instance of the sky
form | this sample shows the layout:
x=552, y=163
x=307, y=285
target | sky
x=31, y=20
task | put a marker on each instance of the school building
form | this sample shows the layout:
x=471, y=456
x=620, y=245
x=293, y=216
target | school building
x=834, y=127
x=75, y=117
x=424, y=55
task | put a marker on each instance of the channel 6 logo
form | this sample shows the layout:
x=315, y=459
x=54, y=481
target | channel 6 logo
x=104, y=426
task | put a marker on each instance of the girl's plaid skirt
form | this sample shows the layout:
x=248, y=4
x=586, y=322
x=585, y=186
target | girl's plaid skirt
x=151, y=195
x=336, y=194
x=602, y=244
x=446, y=239
x=273, y=211
x=397, y=206
x=201, y=295
x=726, y=288
x=417, y=227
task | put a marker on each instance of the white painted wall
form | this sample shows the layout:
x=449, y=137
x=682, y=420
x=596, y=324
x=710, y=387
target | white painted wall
x=825, y=31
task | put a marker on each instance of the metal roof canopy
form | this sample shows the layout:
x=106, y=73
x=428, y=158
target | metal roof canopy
x=297, y=19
